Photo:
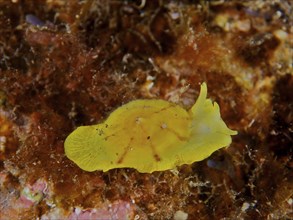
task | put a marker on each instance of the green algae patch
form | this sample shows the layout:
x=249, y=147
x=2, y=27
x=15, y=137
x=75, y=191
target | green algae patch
x=150, y=135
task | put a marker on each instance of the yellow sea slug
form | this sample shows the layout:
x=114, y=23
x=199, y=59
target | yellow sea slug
x=150, y=135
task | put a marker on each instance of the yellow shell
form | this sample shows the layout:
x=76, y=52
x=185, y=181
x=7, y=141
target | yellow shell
x=150, y=135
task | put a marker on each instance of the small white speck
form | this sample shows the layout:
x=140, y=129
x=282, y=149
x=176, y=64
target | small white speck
x=175, y=15
x=245, y=206
x=290, y=201
x=77, y=210
x=164, y=126
x=180, y=215
x=279, y=14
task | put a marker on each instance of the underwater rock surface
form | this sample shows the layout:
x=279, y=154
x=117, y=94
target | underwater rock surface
x=66, y=64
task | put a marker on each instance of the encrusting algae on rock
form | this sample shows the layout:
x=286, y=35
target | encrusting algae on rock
x=150, y=135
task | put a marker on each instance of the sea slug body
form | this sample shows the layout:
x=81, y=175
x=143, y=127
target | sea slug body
x=150, y=135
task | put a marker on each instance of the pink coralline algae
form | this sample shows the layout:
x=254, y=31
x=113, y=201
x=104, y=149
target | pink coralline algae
x=116, y=210
x=33, y=194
